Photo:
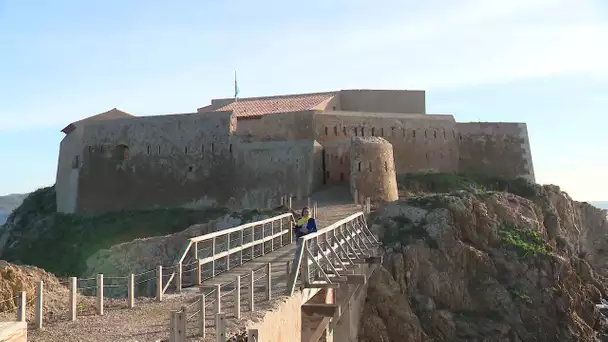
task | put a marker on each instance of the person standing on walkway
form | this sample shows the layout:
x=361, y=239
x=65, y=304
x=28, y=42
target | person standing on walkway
x=305, y=225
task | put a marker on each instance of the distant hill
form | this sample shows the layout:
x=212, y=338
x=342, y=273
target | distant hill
x=600, y=204
x=8, y=203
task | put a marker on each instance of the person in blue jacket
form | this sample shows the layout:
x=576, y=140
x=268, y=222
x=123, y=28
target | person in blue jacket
x=305, y=225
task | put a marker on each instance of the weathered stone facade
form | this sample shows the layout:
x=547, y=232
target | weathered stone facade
x=248, y=153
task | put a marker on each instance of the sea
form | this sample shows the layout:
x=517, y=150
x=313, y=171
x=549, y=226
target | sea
x=600, y=204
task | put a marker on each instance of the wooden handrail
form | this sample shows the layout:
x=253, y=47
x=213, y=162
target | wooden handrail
x=238, y=228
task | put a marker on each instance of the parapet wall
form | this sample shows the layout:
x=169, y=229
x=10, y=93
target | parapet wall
x=372, y=170
x=495, y=148
x=156, y=161
x=420, y=142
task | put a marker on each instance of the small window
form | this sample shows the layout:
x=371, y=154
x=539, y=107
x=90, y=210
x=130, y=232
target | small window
x=362, y=131
x=385, y=166
x=435, y=134
x=382, y=131
x=425, y=134
x=190, y=168
x=212, y=147
x=90, y=149
x=414, y=133
x=342, y=176
x=336, y=130
x=373, y=131
x=355, y=130
x=341, y=160
x=158, y=149
x=333, y=107
x=460, y=135
x=230, y=148
x=326, y=130
x=359, y=166
x=370, y=166
x=186, y=150
x=148, y=150
x=202, y=148
x=344, y=130
x=444, y=137
x=76, y=162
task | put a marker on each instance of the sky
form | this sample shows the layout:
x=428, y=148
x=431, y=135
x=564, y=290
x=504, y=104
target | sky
x=543, y=62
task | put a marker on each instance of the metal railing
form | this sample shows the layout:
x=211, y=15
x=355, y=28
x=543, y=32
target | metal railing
x=327, y=252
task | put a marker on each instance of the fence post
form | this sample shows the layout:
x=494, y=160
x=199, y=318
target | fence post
x=368, y=206
x=39, y=304
x=181, y=324
x=100, y=294
x=220, y=327
x=178, y=278
x=237, y=297
x=22, y=307
x=316, y=206
x=73, y=300
x=289, y=201
x=251, y=290
x=269, y=281
x=218, y=298
x=252, y=335
x=172, y=325
x=159, y=283
x=131, y=290
x=201, y=317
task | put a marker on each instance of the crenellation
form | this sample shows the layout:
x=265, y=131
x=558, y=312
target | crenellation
x=249, y=153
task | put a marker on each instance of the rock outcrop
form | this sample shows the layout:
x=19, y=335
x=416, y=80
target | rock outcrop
x=488, y=266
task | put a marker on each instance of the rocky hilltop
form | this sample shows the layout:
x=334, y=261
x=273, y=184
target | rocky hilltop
x=475, y=264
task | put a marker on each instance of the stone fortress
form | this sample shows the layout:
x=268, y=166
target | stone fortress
x=248, y=152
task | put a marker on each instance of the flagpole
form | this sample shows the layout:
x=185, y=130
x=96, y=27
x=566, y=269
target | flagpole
x=236, y=89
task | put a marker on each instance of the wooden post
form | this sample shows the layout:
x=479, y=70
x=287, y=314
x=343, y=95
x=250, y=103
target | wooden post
x=237, y=297
x=290, y=232
x=178, y=278
x=251, y=291
x=73, y=299
x=21, y=310
x=269, y=281
x=271, y=234
x=220, y=327
x=159, y=283
x=100, y=294
x=316, y=207
x=173, y=326
x=197, y=274
x=201, y=317
x=289, y=201
x=131, y=290
x=253, y=335
x=182, y=330
x=241, y=251
x=39, y=304
x=218, y=298
x=213, y=261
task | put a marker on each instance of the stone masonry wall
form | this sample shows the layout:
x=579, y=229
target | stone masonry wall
x=337, y=161
x=496, y=148
x=156, y=160
x=420, y=142
x=372, y=170
x=277, y=127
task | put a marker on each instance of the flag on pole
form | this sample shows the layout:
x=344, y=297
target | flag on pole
x=236, y=87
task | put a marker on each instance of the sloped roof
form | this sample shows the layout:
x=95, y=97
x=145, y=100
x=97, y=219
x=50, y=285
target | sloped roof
x=258, y=106
x=113, y=113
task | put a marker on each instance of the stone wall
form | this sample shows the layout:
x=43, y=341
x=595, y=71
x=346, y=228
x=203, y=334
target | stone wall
x=496, y=148
x=157, y=160
x=277, y=127
x=267, y=170
x=337, y=161
x=68, y=171
x=372, y=170
x=383, y=101
x=420, y=142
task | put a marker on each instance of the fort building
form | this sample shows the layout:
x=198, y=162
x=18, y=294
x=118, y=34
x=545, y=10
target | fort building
x=248, y=152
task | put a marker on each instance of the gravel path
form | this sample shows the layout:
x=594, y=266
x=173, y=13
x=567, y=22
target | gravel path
x=149, y=320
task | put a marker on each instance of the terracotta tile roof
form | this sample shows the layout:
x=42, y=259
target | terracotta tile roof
x=258, y=106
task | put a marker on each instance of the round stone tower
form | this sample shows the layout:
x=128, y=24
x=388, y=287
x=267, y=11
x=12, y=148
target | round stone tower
x=372, y=170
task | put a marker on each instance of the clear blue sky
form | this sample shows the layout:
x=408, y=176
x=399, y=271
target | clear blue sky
x=538, y=61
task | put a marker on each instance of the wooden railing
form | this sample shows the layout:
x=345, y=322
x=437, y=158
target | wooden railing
x=325, y=253
x=218, y=252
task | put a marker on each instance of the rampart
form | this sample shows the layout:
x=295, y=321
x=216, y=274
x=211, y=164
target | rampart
x=372, y=170
x=420, y=142
x=497, y=148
